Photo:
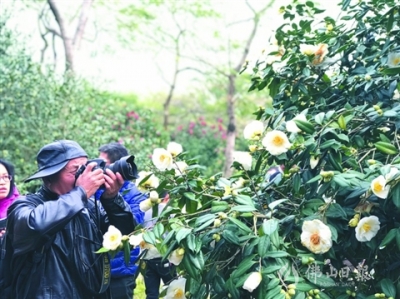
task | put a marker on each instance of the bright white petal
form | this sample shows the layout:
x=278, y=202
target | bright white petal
x=367, y=228
x=379, y=187
x=252, y=282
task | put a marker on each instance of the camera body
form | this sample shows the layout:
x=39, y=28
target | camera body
x=125, y=166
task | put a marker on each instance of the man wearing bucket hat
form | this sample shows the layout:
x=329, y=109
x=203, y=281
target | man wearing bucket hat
x=53, y=235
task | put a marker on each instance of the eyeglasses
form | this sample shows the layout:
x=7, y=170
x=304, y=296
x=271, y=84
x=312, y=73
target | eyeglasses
x=6, y=178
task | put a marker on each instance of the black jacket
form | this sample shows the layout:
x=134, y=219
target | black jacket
x=59, y=236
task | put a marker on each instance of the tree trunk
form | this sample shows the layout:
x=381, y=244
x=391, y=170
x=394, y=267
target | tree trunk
x=71, y=42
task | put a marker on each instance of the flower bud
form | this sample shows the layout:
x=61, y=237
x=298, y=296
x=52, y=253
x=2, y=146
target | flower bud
x=252, y=148
x=217, y=223
x=353, y=222
x=291, y=286
x=291, y=292
x=314, y=162
x=371, y=162
x=222, y=215
x=216, y=237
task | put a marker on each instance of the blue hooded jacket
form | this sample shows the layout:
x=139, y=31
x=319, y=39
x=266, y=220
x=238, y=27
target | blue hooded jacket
x=133, y=197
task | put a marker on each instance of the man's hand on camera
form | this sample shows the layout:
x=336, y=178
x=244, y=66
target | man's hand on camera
x=90, y=180
x=113, y=183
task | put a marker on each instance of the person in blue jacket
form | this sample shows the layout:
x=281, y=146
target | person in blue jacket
x=123, y=276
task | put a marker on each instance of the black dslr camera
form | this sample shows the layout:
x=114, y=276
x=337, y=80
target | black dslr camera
x=125, y=166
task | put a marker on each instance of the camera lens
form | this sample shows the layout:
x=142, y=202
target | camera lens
x=126, y=167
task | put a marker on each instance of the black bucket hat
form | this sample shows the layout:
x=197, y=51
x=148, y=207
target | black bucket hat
x=54, y=156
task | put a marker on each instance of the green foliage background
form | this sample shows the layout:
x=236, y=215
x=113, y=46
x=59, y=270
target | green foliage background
x=350, y=99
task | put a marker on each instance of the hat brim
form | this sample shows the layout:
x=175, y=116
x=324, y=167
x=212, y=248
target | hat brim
x=46, y=172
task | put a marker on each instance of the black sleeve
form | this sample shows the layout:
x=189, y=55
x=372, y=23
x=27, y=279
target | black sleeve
x=119, y=214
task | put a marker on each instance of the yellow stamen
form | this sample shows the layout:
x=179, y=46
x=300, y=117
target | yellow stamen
x=278, y=141
x=315, y=239
x=378, y=187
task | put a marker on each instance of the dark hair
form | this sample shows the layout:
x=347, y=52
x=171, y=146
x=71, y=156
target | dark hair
x=10, y=169
x=114, y=151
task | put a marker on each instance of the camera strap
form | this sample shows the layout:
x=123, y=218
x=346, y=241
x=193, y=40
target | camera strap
x=106, y=273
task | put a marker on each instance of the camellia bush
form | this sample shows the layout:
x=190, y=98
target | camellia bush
x=316, y=215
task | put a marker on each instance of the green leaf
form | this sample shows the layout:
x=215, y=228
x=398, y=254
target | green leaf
x=398, y=238
x=102, y=250
x=395, y=195
x=391, y=71
x=191, y=242
x=189, y=267
x=244, y=208
x=273, y=283
x=304, y=287
x=231, y=237
x=275, y=203
x=263, y=245
x=205, y=224
x=204, y=218
x=182, y=233
x=158, y=230
x=190, y=195
x=244, y=200
x=240, y=224
x=321, y=280
x=244, y=266
x=275, y=293
x=319, y=118
x=277, y=254
x=271, y=269
x=196, y=260
x=389, y=237
x=127, y=252
x=270, y=226
x=388, y=287
x=149, y=237
x=336, y=211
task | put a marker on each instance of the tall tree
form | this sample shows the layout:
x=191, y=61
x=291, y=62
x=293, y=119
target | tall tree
x=71, y=39
x=237, y=56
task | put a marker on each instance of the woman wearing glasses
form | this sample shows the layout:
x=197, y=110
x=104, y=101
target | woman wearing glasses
x=8, y=192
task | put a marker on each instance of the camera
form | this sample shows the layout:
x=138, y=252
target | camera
x=125, y=166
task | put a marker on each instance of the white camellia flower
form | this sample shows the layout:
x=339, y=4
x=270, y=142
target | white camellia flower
x=252, y=282
x=243, y=158
x=176, y=256
x=180, y=167
x=253, y=130
x=367, y=228
x=308, y=50
x=394, y=59
x=392, y=172
x=176, y=289
x=174, y=148
x=276, y=142
x=379, y=187
x=162, y=159
x=239, y=183
x=151, y=183
x=319, y=52
x=136, y=240
x=316, y=236
x=112, y=238
x=146, y=205
x=291, y=125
